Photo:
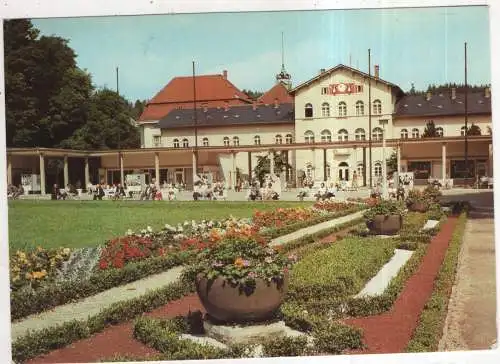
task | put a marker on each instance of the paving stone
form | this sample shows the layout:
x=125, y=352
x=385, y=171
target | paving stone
x=378, y=284
x=204, y=340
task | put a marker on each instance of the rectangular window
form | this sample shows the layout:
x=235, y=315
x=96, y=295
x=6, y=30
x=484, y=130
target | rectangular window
x=324, y=90
x=157, y=141
x=420, y=169
x=360, y=88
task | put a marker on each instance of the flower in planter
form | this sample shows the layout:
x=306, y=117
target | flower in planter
x=385, y=208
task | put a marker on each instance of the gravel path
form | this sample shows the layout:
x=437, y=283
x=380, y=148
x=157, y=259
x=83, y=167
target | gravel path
x=470, y=324
x=92, y=305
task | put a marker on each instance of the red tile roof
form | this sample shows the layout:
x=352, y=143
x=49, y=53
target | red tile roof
x=211, y=90
x=279, y=92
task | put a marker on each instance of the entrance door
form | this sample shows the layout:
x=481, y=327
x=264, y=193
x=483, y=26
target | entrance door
x=179, y=177
x=343, y=171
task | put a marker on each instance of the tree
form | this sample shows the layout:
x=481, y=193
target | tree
x=254, y=95
x=430, y=130
x=392, y=162
x=138, y=108
x=109, y=124
x=474, y=130
x=263, y=166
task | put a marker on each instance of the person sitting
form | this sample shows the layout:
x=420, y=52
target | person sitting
x=321, y=193
x=253, y=193
x=267, y=193
x=196, y=191
x=171, y=193
x=330, y=192
x=99, y=192
x=119, y=192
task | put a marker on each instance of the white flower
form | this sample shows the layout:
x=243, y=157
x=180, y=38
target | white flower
x=186, y=223
x=129, y=232
x=143, y=231
x=150, y=229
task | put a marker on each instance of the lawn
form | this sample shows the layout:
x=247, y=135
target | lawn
x=76, y=224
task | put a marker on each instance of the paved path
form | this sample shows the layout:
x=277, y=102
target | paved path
x=378, y=284
x=315, y=228
x=470, y=323
x=92, y=305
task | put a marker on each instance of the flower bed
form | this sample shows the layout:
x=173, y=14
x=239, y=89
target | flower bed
x=332, y=206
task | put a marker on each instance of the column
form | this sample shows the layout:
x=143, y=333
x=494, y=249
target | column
x=443, y=166
x=157, y=169
x=249, y=167
x=42, y=174
x=9, y=169
x=66, y=171
x=195, y=162
x=87, y=178
x=398, y=157
x=122, y=177
x=325, y=178
x=233, y=164
x=384, y=167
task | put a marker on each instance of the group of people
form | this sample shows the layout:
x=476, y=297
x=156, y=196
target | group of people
x=204, y=190
x=14, y=192
x=270, y=190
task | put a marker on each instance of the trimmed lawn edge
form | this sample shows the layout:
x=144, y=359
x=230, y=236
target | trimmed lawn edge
x=432, y=319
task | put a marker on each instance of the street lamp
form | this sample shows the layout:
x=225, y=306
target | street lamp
x=385, y=193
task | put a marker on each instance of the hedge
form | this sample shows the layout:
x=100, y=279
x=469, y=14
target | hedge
x=430, y=328
x=25, y=303
x=43, y=341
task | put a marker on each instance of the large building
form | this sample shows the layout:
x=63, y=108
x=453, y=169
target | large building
x=328, y=127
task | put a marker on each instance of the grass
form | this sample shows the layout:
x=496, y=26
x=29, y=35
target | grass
x=341, y=269
x=77, y=224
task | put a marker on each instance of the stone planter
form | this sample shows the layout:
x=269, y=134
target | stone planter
x=385, y=225
x=225, y=303
x=418, y=207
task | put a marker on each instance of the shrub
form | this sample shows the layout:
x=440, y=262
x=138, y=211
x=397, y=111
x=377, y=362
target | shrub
x=333, y=338
x=345, y=268
x=286, y=346
x=435, y=212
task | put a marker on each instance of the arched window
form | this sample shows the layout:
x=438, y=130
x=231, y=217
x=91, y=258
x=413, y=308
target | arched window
x=439, y=131
x=377, y=133
x=415, y=133
x=342, y=135
x=404, y=133
x=325, y=109
x=278, y=139
x=326, y=136
x=462, y=131
x=236, y=141
x=309, y=111
x=185, y=143
x=256, y=140
x=309, y=137
x=377, y=169
x=359, y=134
x=377, y=107
x=289, y=139
x=226, y=141
x=205, y=142
x=342, y=109
x=176, y=143
x=360, y=108
x=309, y=171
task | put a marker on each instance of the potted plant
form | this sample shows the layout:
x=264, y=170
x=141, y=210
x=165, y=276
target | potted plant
x=241, y=280
x=417, y=201
x=432, y=193
x=385, y=218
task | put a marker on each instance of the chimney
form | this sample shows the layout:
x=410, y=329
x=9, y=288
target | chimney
x=487, y=92
x=254, y=105
x=322, y=71
x=453, y=93
x=276, y=103
x=377, y=69
x=428, y=95
x=224, y=74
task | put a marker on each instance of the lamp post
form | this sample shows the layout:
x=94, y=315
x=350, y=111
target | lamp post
x=385, y=193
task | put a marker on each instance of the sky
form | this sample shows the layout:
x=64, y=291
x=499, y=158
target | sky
x=420, y=45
